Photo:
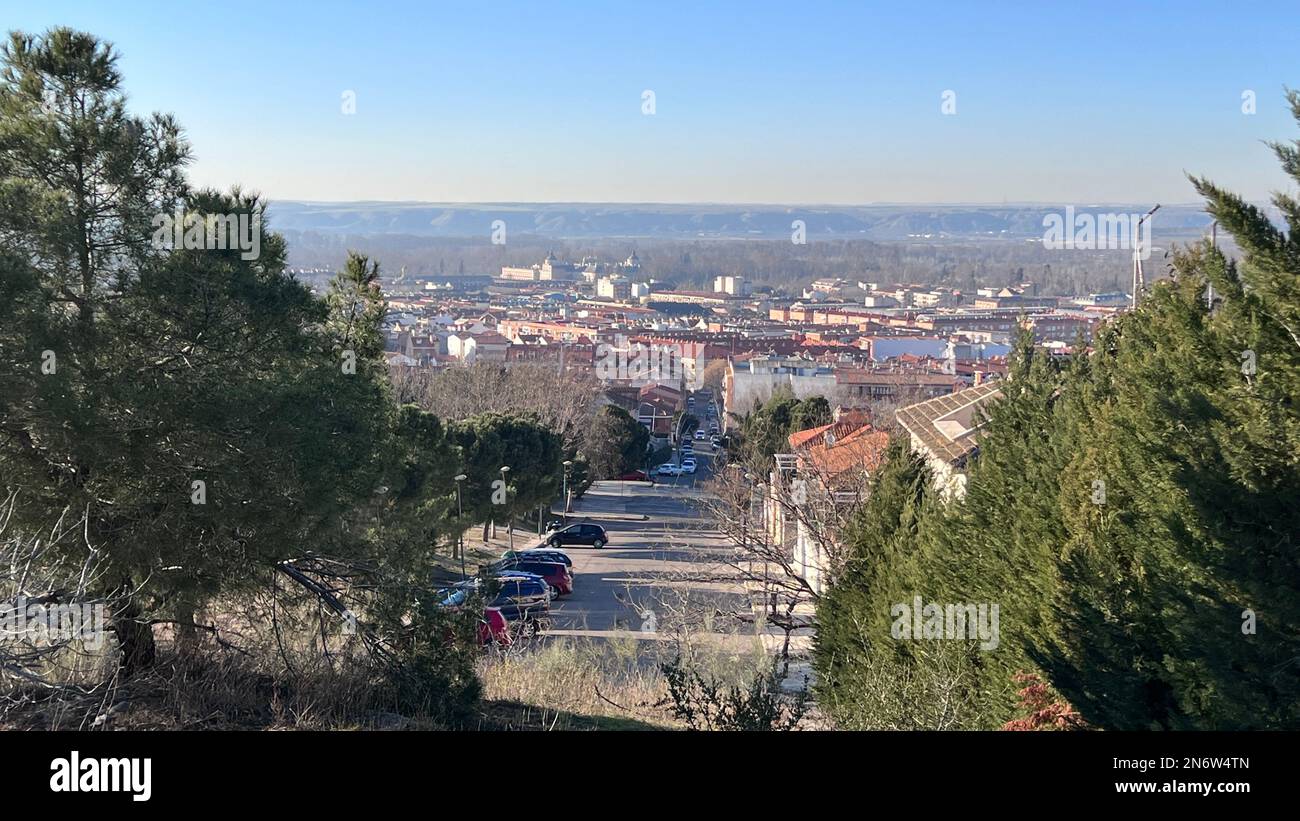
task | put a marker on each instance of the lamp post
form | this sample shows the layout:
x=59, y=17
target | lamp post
x=510, y=525
x=460, y=528
x=744, y=518
x=568, y=463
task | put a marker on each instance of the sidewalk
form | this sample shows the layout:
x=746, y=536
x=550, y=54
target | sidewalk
x=607, y=499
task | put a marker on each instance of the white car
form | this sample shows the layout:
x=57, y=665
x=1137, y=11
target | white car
x=669, y=469
x=688, y=466
x=699, y=434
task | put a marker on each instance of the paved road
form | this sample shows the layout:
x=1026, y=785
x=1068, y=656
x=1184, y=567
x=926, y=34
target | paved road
x=613, y=585
x=655, y=531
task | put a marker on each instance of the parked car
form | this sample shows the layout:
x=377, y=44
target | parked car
x=540, y=553
x=593, y=535
x=556, y=574
x=522, y=597
x=494, y=628
x=669, y=469
x=635, y=476
x=688, y=466
x=715, y=440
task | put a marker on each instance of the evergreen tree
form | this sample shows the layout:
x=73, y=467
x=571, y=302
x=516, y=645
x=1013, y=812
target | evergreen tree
x=615, y=443
x=204, y=411
x=1132, y=513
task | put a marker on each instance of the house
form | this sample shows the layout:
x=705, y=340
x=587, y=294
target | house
x=945, y=432
x=856, y=384
x=656, y=406
x=469, y=348
x=814, y=485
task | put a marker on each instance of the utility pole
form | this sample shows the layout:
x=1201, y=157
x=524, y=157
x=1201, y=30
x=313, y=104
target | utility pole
x=1209, y=286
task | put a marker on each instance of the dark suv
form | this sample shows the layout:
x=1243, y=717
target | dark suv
x=522, y=597
x=593, y=535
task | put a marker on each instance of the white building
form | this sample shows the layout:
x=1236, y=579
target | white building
x=731, y=285
x=614, y=287
x=750, y=383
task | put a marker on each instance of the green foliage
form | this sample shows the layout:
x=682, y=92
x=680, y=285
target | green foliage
x=167, y=367
x=867, y=679
x=534, y=454
x=616, y=443
x=705, y=703
x=432, y=671
x=129, y=371
x=812, y=412
x=765, y=430
x=1133, y=513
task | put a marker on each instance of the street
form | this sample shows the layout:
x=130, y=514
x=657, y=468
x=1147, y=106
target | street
x=653, y=531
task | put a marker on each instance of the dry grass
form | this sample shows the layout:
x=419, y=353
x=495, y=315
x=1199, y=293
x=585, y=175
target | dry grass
x=567, y=683
x=289, y=669
x=559, y=678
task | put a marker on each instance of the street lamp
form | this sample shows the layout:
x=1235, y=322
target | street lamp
x=460, y=528
x=744, y=526
x=568, y=463
x=510, y=526
x=744, y=511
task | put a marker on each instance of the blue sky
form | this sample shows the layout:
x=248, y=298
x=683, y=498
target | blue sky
x=754, y=102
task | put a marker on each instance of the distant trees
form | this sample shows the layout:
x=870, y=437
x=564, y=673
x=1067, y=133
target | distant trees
x=529, y=417
x=563, y=401
x=774, y=263
x=714, y=377
x=1131, y=513
x=812, y=412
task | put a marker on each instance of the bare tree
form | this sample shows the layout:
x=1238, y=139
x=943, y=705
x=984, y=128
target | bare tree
x=563, y=401
x=52, y=634
x=784, y=530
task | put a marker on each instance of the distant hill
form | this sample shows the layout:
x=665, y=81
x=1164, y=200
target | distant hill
x=686, y=246
x=655, y=221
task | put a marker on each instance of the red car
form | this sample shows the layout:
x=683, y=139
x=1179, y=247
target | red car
x=494, y=629
x=556, y=574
